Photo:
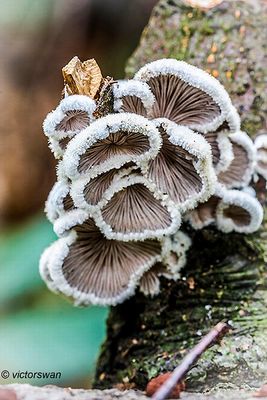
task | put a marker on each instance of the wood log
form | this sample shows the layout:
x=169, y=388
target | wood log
x=225, y=276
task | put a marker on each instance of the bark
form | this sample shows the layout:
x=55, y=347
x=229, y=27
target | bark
x=224, y=278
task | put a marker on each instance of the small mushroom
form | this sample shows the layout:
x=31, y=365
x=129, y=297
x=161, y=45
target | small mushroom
x=221, y=150
x=44, y=268
x=111, y=142
x=183, y=167
x=174, y=249
x=88, y=192
x=204, y=214
x=94, y=270
x=59, y=201
x=133, y=96
x=239, y=172
x=261, y=155
x=149, y=283
x=239, y=212
x=73, y=114
x=173, y=259
x=133, y=209
x=188, y=95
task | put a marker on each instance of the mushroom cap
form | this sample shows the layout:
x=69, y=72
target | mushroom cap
x=239, y=172
x=149, y=283
x=59, y=201
x=73, y=114
x=221, y=150
x=88, y=192
x=183, y=167
x=44, y=268
x=261, y=155
x=94, y=270
x=174, y=249
x=188, y=95
x=173, y=259
x=133, y=209
x=238, y=211
x=132, y=96
x=111, y=142
x=204, y=214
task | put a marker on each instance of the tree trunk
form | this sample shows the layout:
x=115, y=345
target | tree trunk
x=225, y=274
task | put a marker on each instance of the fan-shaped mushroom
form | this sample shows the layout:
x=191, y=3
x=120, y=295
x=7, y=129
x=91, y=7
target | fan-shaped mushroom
x=111, y=142
x=239, y=172
x=133, y=209
x=183, y=167
x=261, y=155
x=92, y=269
x=188, y=95
x=73, y=114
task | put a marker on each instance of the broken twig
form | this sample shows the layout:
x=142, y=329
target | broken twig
x=213, y=336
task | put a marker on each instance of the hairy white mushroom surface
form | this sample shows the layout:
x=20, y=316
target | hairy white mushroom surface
x=261, y=155
x=111, y=142
x=91, y=269
x=239, y=212
x=173, y=253
x=183, y=167
x=221, y=150
x=133, y=96
x=188, y=95
x=149, y=283
x=173, y=259
x=59, y=201
x=133, y=209
x=73, y=114
x=88, y=192
x=239, y=172
x=172, y=147
x=204, y=214
x=45, y=259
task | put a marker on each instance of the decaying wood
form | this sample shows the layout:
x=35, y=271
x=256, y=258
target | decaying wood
x=225, y=276
x=82, y=77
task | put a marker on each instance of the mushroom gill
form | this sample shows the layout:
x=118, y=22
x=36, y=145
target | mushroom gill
x=117, y=143
x=204, y=213
x=183, y=168
x=238, y=211
x=187, y=95
x=180, y=102
x=239, y=172
x=133, y=97
x=239, y=215
x=59, y=201
x=74, y=120
x=149, y=283
x=111, y=142
x=96, y=187
x=101, y=271
x=133, y=104
x=221, y=150
x=134, y=210
x=174, y=173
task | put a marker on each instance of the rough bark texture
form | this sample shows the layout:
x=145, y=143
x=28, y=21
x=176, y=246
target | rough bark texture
x=225, y=276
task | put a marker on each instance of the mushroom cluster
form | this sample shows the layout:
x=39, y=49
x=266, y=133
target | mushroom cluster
x=170, y=152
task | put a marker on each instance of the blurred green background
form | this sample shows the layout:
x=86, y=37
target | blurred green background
x=40, y=331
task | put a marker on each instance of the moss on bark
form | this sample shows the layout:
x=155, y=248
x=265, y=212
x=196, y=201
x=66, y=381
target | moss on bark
x=225, y=274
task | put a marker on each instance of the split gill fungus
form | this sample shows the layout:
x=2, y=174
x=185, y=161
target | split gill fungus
x=169, y=152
